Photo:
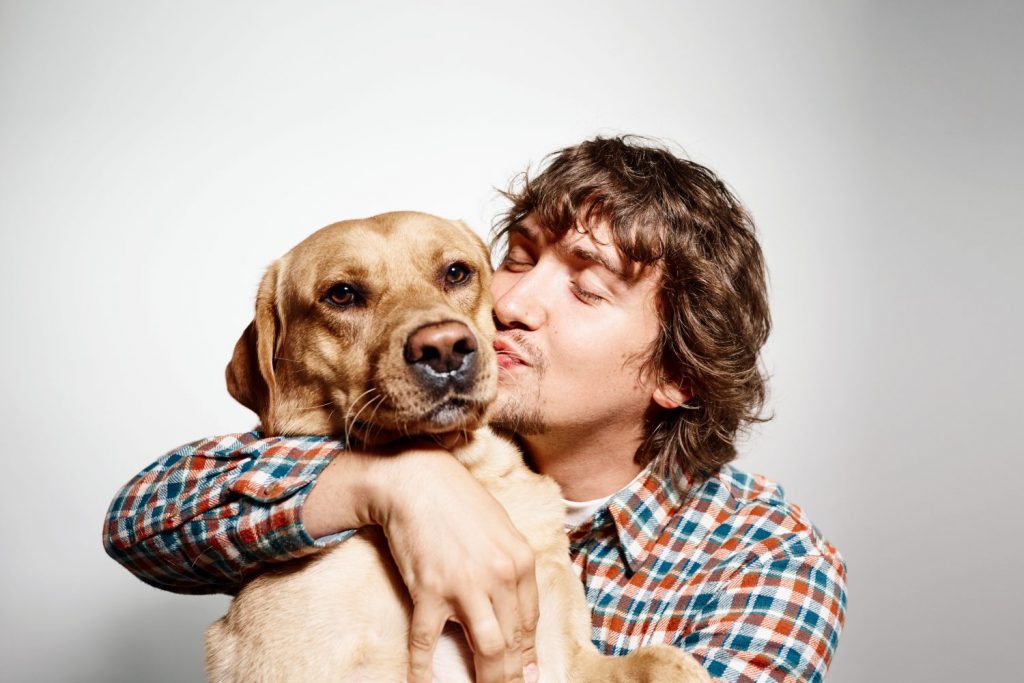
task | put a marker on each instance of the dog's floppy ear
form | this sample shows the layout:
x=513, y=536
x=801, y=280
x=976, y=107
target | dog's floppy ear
x=250, y=374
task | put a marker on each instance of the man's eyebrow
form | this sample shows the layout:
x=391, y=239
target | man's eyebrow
x=523, y=230
x=576, y=251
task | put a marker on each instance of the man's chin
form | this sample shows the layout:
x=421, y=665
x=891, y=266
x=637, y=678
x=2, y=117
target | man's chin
x=512, y=414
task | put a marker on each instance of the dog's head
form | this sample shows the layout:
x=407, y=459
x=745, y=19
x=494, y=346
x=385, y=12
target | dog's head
x=372, y=329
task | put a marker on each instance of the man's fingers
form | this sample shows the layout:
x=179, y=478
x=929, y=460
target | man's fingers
x=506, y=609
x=529, y=613
x=427, y=622
x=513, y=669
x=528, y=602
x=487, y=641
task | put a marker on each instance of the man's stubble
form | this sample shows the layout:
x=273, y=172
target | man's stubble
x=518, y=406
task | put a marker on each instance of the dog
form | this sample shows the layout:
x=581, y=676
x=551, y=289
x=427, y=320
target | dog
x=375, y=330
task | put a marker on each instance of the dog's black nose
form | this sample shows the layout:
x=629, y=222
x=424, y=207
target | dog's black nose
x=446, y=348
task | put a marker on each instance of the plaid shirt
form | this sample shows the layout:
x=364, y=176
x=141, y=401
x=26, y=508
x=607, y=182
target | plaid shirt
x=732, y=573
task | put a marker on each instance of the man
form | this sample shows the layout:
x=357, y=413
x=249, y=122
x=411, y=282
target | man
x=631, y=308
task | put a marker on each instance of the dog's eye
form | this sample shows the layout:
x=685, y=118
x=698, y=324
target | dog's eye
x=343, y=295
x=457, y=273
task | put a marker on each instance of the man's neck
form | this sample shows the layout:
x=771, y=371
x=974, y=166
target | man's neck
x=587, y=464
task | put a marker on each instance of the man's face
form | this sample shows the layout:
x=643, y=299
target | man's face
x=575, y=323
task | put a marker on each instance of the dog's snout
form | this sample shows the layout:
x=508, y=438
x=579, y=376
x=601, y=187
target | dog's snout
x=445, y=348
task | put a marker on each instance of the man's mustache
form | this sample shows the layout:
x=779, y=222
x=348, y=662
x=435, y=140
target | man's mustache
x=524, y=348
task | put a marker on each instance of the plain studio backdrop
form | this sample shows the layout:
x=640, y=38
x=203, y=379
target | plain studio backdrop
x=155, y=157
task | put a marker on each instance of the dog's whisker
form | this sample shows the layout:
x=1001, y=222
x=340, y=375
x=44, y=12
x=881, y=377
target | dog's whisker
x=349, y=420
x=373, y=415
x=348, y=410
x=355, y=418
x=372, y=419
x=290, y=360
x=319, y=405
x=330, y=415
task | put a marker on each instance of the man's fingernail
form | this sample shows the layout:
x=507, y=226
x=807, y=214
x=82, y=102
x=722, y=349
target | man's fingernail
x=531, y=673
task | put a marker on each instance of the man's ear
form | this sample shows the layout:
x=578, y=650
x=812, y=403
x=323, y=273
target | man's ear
x=250, y=374
x=670, y=396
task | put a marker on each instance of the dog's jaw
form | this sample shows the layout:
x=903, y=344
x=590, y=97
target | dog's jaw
x=451, y=416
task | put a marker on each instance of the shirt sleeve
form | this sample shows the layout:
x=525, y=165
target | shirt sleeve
x=206, y=517
x=778, y=620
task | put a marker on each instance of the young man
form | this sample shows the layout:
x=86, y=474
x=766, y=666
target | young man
x=631, y=308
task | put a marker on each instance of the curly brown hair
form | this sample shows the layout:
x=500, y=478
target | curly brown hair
x=663, y=209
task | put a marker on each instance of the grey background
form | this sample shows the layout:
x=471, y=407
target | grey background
x=155, y=157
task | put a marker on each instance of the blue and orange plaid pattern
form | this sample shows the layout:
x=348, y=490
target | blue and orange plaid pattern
x=732, y=572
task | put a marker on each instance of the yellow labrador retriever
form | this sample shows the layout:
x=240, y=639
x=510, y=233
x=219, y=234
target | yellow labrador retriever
x=375, y=330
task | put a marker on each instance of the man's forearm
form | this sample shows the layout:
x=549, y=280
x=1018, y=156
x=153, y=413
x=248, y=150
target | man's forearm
x=343, y=495
x=206, y=517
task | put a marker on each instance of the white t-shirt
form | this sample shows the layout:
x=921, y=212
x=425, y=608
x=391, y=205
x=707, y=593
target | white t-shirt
x=577, y=512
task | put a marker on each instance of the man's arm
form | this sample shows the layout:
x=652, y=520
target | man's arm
x=779, y=620
x=209, y=515
x=214, y=513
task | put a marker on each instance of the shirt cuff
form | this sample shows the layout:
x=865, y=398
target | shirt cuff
x=272, y=492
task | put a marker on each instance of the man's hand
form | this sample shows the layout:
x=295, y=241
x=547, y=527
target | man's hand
x=457, y=550
x=462, y=560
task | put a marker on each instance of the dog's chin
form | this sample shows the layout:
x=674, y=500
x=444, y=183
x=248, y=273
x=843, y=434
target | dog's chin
x=451, y=415
x=447, y=416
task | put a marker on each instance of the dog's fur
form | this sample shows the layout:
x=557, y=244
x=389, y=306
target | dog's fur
x=317, y=361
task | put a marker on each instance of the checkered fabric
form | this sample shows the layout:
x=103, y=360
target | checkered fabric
x=731, y=572
x=206, y=517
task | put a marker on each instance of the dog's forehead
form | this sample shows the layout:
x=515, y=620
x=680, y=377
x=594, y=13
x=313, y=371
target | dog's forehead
x=364, y=246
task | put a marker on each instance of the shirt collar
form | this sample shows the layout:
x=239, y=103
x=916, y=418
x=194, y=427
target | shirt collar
x=639, y=513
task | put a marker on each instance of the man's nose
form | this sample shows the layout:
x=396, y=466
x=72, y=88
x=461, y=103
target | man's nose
x=520, y=303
